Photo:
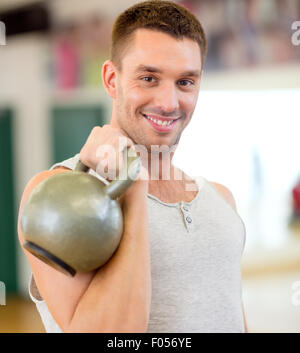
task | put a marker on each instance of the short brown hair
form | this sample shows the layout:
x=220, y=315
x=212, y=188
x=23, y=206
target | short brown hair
x=159, y=15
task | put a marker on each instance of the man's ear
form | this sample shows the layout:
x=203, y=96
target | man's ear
x=109, y=77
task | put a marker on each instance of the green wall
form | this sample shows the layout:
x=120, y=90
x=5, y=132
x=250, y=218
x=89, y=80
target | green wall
x=8, y=220
x=71, y=126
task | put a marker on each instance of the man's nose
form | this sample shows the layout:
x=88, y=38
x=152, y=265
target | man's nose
x=167, y=98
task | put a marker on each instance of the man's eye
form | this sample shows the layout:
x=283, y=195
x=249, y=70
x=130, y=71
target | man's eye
x=186, y=82
x=148, y=78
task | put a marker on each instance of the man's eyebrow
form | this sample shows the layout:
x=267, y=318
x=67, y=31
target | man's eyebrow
x=147, y=68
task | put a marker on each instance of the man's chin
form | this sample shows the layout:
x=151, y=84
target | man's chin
x=157, y=147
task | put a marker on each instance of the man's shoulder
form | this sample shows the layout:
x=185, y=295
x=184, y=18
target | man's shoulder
x=225, y=192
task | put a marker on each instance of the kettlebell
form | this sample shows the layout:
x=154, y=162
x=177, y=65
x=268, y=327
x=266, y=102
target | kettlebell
x=72, y=221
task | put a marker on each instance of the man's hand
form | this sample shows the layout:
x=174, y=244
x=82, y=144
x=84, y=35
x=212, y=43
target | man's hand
x=103, y=151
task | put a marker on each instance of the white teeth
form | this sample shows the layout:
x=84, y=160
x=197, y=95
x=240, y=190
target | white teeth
x=160, y=122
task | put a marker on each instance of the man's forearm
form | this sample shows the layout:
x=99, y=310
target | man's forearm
x=119, y=296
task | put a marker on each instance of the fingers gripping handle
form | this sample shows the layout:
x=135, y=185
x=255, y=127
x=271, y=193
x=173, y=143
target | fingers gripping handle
x=126, y=177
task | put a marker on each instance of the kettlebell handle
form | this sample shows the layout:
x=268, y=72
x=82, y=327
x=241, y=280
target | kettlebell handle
x=80, y=167
x=125, y=178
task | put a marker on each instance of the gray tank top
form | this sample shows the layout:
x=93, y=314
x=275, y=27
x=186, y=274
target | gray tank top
x=196, y=250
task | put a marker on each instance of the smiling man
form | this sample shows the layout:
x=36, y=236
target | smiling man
x=160, y=79
x=178, y=266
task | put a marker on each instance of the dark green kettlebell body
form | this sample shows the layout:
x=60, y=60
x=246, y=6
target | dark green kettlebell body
x=73, y=221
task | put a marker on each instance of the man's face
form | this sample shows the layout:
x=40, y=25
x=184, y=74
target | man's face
x=160, y=79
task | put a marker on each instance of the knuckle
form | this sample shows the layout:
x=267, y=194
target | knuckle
x=96, y=130
x=84, y=156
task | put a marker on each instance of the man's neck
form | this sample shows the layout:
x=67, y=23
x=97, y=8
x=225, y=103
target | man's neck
x=172, y=190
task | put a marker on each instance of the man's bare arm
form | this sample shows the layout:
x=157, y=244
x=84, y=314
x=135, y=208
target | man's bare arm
x=61, y=293
x=119, y=296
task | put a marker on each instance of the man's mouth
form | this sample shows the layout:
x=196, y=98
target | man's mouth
x=161, y=124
